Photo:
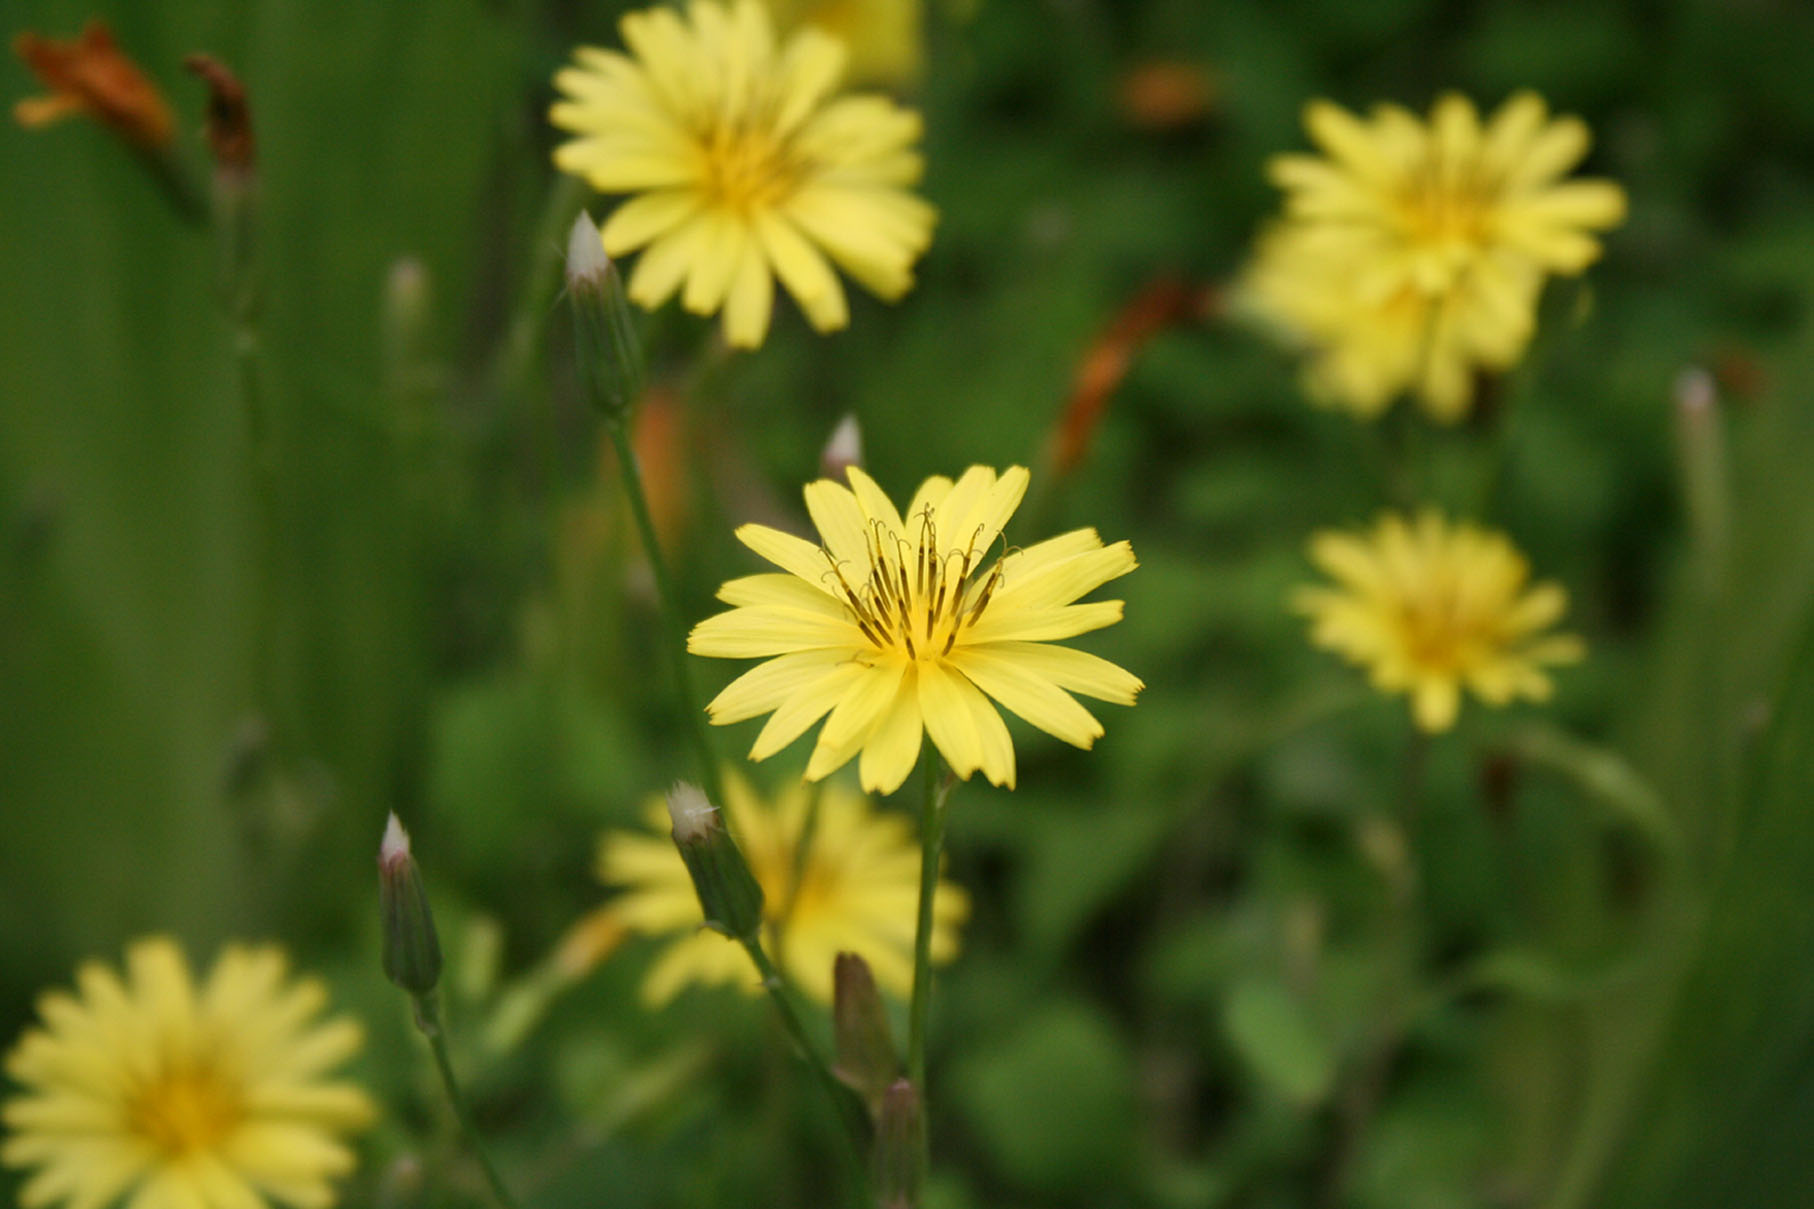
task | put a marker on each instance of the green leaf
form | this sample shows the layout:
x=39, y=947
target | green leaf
x=1273, y=1032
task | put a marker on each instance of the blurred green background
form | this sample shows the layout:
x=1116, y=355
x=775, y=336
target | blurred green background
x=1192, y=978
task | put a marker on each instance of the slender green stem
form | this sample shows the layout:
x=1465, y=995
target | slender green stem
x=932, y=842
x=710, y=778
x=515, y=360
x=850, y=1111
x=428, y=1019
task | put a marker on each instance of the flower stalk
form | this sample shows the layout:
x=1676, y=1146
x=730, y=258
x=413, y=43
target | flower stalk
x=611, y=374
x=932, y=842
x=412, y=960
x=731, y=900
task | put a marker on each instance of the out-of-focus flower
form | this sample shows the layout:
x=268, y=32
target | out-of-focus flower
x=886, y=38
x=1361, y=352
x=897, y=627
x=1430, y=608
x=745, y=165
x=90, y=75
x=836, y=875
x=1432, y=239
x=171, y=1094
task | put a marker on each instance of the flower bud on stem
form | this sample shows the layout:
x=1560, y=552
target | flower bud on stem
x=900, y=1141
x=728, y=892
x=610, y=371
x=604, y=334
x=412, y=951
x=866, y=1060
x=412, y=960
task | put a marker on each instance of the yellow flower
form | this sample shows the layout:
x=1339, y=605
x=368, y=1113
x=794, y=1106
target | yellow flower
x=883, y=36
x=896, y=627
x=745, y=166
x=1449, y=225
x=179, y=1096
x=835, y=876
x=1362, y=352
x=1429, y=608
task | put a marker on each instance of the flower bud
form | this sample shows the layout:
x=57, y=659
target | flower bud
x=728, y=892
x=843, y=450
x=859, y=1022
x=604, y=335
x=900, y=1136
x=412, y=954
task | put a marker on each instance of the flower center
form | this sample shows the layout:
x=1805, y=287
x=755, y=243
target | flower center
x=917, y=597
x=1448, y=214
x=185, y=1109
x=747, y=168
x=1440, y=634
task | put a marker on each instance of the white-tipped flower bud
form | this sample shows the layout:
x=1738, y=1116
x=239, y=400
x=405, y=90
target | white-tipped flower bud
x=843, y=450
x=605, y=346
x=412, y=953
x=728, y=892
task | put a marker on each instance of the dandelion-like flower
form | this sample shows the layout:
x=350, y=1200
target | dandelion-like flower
x=1428, y=608
x=836, y=875
x=1438, y=234
x=897, y=627
x=745, y=166
x=175, y=1095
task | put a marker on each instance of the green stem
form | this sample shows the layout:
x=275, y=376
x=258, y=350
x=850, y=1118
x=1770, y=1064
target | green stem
x=932, y=842
x=710, y=778
x=850, y=1112
x=516, y=357
x=428, y=1019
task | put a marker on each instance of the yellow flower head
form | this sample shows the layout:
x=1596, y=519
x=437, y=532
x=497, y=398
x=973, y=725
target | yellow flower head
x=1449, y=226
x=835, y=876
x=1362, y=352
x=1429, y=607
x=744, y=165
x=896, y=626
x=883, y=36
x=183, y=1096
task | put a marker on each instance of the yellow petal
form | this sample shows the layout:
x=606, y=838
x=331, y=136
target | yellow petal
x=894, y=746
x=1030, y=697
x=750, y=633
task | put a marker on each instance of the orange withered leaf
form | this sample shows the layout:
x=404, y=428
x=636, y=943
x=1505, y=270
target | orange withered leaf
x=90, y=75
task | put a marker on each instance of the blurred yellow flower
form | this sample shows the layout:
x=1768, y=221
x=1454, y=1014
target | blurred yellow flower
x=901, y=627
x=1428, y=608
x=745, y=166
x=1434, y=237
x=1361, y=352
x=179, y=1096
x=884, y=36
x=835, y=875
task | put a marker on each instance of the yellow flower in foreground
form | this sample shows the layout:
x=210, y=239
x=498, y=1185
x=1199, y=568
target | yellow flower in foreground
x=884, y=36
x=853, y=886
x=183, y=1096
x=1450, y=225
x=745, y=166
x=897, y=627
x=1428, y=608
